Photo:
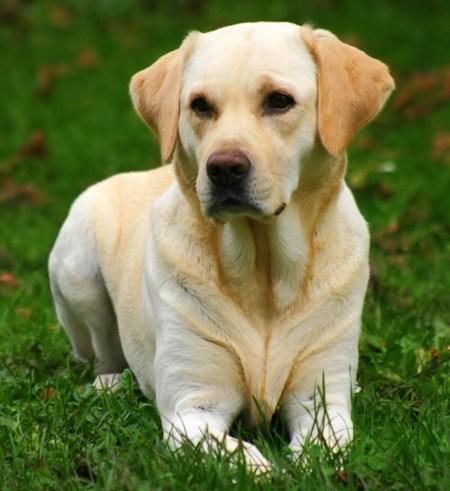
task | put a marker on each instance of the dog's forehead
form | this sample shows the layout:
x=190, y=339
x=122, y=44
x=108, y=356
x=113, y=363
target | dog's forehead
x=229, y=54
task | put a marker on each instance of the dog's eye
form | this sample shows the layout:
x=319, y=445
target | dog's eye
x=201, y=107
x=276, y=102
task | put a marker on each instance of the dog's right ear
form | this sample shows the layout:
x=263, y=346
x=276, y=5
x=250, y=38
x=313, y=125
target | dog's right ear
x=155, y=92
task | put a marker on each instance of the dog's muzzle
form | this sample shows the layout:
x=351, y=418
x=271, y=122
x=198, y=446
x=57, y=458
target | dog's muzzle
x=228, y=173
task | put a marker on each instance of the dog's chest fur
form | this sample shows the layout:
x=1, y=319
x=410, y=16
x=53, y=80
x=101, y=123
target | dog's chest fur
x=243, y=289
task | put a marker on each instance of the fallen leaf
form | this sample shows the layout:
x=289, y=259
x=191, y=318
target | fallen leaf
x=35, y=146
x=45, y=79
x=434, y=352
x=9, y=280
x=88, y=58
x=24, y=312
x=422, y=92
x=441, y=147
x=342, y=476
x=12, y=192
x=48, y=74
x=48, y=393
x=365, y=142
x=61, y=15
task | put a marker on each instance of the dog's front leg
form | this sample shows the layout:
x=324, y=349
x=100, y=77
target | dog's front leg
x=199, y=393
x=210, y=429
x=318, y=405
x=312, y=420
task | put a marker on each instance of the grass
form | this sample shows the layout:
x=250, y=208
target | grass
x=65, y=69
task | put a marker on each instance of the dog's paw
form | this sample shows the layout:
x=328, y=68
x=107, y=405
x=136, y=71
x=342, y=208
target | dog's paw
x=335, y=437
x=254, y=459
x=107, y=381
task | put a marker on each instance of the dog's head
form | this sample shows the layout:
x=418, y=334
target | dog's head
x=243, y=107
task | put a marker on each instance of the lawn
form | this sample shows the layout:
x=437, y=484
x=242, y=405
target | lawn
x=66, y=122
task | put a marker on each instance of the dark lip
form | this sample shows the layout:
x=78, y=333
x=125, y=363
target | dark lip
x=231, y=205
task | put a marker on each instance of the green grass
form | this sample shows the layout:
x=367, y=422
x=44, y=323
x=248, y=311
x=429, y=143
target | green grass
x=56, y=432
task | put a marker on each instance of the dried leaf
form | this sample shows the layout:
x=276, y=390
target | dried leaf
x=45, y=80
x=24, y=312
x=88, y=58
x=422, y=92
x=48, y=393
x=48, y=74
x=61, y=15
x=9, y=280
x=35, y=146
x=12, y=192
x=342, y=476
x=441, y=147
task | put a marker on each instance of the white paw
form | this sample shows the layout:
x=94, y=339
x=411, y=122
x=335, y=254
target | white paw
x=107, y=381
x=336, y=432
x=254, y=460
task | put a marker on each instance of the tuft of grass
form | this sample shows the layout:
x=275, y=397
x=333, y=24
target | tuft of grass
x=65, y=69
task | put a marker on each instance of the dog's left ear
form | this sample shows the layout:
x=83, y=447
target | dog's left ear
x=352, y=88
x=155, y=92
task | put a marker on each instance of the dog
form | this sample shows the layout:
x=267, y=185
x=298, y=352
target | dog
x=231, y=281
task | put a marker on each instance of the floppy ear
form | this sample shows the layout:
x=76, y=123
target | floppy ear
x=352, y=88
x=155, y=92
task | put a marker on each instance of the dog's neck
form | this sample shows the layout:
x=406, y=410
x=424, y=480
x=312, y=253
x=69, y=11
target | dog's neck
x=267, y=266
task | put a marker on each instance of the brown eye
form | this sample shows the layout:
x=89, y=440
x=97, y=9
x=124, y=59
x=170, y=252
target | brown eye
x=201, y=107
x=276, y=103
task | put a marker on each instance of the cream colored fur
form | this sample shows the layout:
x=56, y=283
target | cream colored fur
x=218, y=315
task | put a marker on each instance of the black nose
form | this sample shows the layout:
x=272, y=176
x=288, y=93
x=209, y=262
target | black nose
x=227, y=168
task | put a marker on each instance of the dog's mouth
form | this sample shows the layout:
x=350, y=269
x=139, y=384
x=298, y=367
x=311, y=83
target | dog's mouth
x=228, y=204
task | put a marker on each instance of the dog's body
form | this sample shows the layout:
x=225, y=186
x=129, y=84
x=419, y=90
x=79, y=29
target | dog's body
x=233, y=279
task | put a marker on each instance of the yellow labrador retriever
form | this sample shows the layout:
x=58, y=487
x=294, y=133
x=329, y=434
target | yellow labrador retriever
x=232, y=280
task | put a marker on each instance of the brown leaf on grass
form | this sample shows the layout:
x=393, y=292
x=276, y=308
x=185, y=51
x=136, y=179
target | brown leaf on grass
x=88, y=58
x=45, y=78
x=61, y=15
x=9, y=280
x=434, y=352
x=24, y=313
x=422, y=92
x=35, y=146
x=48, y=393
x=342, y=476
x=48, y=74
x=12, y=192
x=441, y=147
x=365, y=142
x=388, y=238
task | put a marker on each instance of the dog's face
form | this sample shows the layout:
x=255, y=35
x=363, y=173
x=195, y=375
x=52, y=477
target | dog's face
x=243, y=107
x=247, y=117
